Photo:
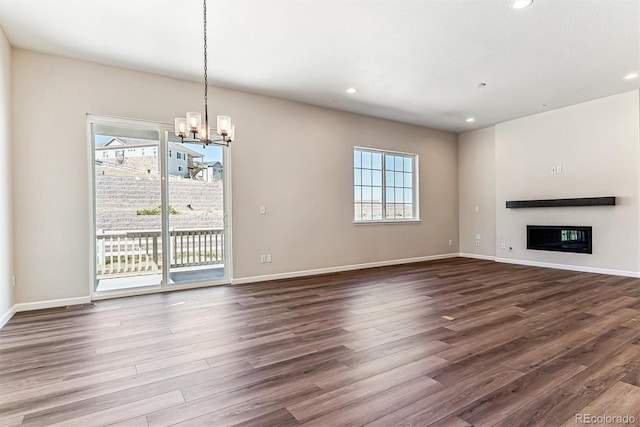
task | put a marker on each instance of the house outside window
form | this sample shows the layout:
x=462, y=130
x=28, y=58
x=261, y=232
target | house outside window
x=384, y=186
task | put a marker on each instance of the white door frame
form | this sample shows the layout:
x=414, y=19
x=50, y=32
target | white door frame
x=94, y=119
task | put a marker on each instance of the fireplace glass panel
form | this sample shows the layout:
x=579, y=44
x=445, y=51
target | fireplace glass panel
x=559, y=238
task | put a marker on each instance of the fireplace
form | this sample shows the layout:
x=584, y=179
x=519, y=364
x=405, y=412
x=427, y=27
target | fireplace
x=559, y=238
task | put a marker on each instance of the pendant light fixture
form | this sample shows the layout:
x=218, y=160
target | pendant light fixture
x=193, y=128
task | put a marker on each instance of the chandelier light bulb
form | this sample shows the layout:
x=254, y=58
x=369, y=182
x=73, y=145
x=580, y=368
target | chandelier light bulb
x=232, y=133
x=223, y=125
x=181, y=127
x=204, y=133
x=194, y=121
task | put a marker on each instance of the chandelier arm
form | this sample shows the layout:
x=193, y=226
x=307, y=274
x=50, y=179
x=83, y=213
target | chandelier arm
x=218, y=141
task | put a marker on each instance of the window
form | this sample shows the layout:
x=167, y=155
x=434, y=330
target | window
x=384, y=185
x=169, y=153
x=180, y=169
x=178, y=155
x=105, y=154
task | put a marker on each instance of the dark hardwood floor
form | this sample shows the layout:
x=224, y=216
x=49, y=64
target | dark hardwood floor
x=450, y=343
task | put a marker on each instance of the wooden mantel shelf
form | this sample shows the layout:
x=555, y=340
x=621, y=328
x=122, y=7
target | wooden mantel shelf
x=556, y=203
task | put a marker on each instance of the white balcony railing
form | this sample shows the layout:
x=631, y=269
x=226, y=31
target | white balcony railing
x=125, y=253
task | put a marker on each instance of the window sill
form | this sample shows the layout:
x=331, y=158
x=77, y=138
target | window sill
x=409, y=221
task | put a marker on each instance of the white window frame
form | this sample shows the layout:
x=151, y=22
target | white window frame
x=415, y=188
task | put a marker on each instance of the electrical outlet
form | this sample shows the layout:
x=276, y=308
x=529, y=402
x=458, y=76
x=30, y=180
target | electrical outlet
x=477, y=242
x=477, y=209
x=504, y=245
x=450, y=242
x=263, y=210
x=478, y=237
x=553, y=169
x=269, y=258
x=263, y=259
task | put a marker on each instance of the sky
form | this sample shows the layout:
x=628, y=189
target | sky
x=212, y=153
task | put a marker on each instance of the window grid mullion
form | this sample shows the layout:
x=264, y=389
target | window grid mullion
x=384, y=187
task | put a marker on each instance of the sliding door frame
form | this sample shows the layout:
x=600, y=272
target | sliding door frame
x=164, y=130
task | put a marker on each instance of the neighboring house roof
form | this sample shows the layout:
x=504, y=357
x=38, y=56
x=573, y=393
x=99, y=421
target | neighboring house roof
x=126, y=142
x=118, y=142
x=214, y=164
x=183, y=148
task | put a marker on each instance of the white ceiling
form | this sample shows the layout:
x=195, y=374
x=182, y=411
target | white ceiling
x=415, y=61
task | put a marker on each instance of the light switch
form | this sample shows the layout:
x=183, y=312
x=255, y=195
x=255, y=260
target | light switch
x=477, y=209
x=263, y=209
x=478, y=236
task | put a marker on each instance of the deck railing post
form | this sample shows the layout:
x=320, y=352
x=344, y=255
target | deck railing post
x=155, y=252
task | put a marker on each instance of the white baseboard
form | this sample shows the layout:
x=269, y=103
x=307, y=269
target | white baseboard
x=476, y=256
x=7, y=316
x=303, y=273
x=39, y=305
x=570, y=267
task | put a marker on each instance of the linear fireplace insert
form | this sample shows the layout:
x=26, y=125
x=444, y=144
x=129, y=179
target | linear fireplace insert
x=568, y=238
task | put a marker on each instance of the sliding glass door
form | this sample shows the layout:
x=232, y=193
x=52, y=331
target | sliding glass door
x=159, y=209
x=196, y=232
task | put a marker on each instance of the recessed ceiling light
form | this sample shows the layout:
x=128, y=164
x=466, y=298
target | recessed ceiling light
x=352, y=90
x=471, y=120
x=632, y=76
x=520, y=4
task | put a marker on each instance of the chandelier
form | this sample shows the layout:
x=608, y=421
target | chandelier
x=192, y=128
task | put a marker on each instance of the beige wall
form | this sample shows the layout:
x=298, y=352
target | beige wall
x=295, y=159
x=596, y=143
x=477, y=192
x=6, y=229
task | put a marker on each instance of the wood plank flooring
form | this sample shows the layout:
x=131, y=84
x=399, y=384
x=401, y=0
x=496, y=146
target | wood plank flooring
x=517, y=346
